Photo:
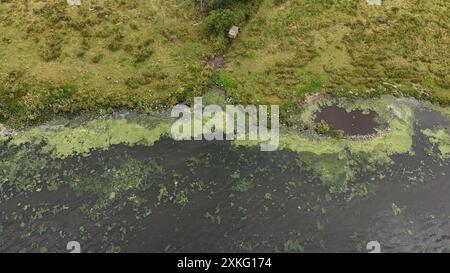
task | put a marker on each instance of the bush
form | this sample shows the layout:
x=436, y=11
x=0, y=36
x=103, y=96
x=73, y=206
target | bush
x=142, y=53
x=325, y=129
x=54, y=12
x=220, y=4
x=322, y=128
x=52, y=49
x=218, y=22
x=116, y=42
x=339, y=134
x=220, y=44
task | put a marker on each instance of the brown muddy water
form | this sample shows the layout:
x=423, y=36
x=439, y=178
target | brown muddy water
x=353, y=123
x=213, y=197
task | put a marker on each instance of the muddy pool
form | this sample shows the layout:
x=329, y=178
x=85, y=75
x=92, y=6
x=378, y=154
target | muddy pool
x=354, y=123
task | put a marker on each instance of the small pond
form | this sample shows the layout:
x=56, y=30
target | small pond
x=354, y=123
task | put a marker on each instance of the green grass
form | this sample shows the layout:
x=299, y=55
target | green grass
x=148, y=55
x=350, y=48
x=134, y=54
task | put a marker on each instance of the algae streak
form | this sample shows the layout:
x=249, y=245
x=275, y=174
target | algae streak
x=95, y=134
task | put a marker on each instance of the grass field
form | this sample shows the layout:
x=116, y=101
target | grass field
x=290, y=48
x=103, y=55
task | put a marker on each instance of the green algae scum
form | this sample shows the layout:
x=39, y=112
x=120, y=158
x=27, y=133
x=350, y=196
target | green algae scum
x=119, y=183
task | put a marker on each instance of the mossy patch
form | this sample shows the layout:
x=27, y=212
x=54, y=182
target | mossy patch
x=441, y=139
x=94, y=134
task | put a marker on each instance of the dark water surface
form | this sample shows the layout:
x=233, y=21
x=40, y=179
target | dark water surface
x=353, y=123
x=278, y=206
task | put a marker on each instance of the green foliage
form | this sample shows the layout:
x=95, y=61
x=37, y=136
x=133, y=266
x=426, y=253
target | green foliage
x=218, y=22
x=108, y=184
x=143, y=51
x=242, y=185
x=116, y=42
x=55, y=12
x=313, y=84
x=220, y=43
x=226, y=80
x=293, y=246
x=196, y=79
x=21, y=171
x=52, y=49
x=339, y=134
x=322, y=128
x=220, y=4
x=142, y=54
x=439, y=137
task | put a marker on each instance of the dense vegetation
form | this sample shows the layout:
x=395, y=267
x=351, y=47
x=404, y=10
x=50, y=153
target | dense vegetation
x=150, y=55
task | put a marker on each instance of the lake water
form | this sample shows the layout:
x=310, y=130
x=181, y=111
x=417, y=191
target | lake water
x=213, y=196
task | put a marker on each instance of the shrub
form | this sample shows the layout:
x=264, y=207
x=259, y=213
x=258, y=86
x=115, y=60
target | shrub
x=220, y=44
x=340, y=134
x=220, y=4
x=116, y=42
x=142, y=53
x=218, y=22
x=325, y=129
x=52, y=49
x=54, y=12
x=322, y=128
x=97, y=58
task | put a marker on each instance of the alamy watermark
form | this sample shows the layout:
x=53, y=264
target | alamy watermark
x=73, y=247
x=236, y=122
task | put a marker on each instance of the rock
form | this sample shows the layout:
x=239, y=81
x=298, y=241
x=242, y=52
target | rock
x=74, y=2
x=374, y=2
x=5, y=132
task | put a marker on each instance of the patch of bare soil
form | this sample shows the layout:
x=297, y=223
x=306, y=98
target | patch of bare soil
x=215, y=61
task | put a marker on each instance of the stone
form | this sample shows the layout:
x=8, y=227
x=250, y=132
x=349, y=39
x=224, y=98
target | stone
x=374, y=2
x=74, y=2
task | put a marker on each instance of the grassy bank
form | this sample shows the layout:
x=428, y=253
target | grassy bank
x=147, y=55
x=104, y=54
x=291, y=48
